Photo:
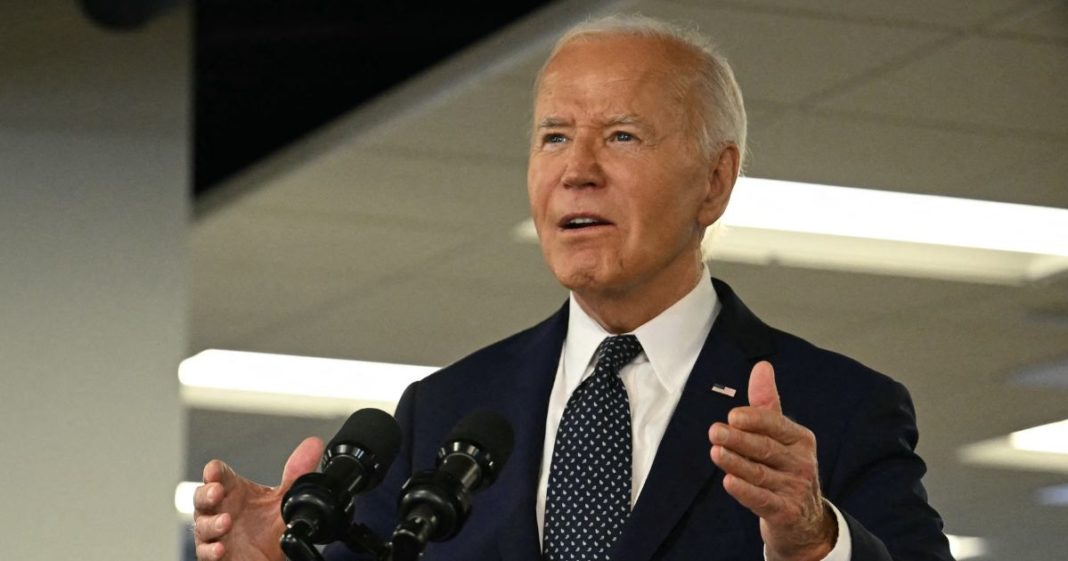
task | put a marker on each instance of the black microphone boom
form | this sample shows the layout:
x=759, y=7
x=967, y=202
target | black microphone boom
x=435, y=503
x=318, y=507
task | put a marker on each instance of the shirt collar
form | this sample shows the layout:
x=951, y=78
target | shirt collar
x=669, y=341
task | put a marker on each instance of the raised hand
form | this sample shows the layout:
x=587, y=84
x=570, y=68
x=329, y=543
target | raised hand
x=771, y=469
x=239, y=520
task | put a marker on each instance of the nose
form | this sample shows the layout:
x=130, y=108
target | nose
x=583, y=165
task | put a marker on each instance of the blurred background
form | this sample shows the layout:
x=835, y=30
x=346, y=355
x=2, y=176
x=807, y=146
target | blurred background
x=346, y=180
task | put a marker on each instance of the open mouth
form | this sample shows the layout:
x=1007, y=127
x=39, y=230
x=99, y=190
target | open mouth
x=582, y=222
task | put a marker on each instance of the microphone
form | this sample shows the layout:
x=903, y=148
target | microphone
x=435, y=503
x=318, y=507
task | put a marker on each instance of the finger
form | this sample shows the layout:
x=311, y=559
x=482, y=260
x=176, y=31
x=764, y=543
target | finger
x=208, y=529
x=208, y=497
x=762, y=391
x=753, y=446
x=304, y=459
x=760, y=501
x=767, y=422
x=216, y=471
x=753, y=472
x=210, y=551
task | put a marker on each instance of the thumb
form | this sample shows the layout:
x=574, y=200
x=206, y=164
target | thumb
x=762, y=391
x=304, y=459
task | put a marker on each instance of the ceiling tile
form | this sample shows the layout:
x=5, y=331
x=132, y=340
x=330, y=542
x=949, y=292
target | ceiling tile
x=230, y=303
x=327, y=244
x=983, y=82
x=1038, y=179
x=1047, y=20
x=787, y=58
x=954, y=13
x=880, y=154
x=406, y=189
x=488, y=118
x=418, y=320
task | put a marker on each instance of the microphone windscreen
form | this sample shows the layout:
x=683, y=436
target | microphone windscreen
x=487, y=430
x=373, y=430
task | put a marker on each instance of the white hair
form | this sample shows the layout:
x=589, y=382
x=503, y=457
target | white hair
x=722, y=111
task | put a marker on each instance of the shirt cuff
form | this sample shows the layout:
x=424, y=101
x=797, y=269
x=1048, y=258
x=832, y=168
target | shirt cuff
x=843, y=546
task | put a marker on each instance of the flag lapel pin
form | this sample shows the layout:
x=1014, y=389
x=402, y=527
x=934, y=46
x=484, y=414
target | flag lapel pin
x=719, y=388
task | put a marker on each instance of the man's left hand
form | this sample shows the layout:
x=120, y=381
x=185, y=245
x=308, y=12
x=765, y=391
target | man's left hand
x=771, y=469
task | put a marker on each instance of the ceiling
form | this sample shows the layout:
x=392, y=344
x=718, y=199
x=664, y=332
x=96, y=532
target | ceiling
x=386, y=235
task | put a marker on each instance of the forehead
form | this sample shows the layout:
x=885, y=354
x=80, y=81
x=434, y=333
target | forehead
x=614, y=73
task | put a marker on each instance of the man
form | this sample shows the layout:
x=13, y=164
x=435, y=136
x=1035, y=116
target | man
x=635, y=393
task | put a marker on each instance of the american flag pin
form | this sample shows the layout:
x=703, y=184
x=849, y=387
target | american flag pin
x=729, y=392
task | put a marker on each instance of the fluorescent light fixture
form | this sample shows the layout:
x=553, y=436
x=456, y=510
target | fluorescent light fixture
x=966, y=547
x=845, y=228
x=1051, y=438
x=183, y=497
x=1053, y=374
x=1056, y=495
x=1041, y=448
x=286, y=384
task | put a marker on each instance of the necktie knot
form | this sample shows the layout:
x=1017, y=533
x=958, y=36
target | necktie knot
x=615, y=352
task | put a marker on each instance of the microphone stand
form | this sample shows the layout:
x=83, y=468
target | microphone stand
x=358, y=539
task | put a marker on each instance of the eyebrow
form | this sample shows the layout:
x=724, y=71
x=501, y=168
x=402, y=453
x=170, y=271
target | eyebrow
x=552, y=123
x=556, y=122
x=624, y=120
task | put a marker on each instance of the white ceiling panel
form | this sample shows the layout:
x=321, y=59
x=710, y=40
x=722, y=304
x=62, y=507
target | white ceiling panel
x=318, y=243
x=406, y=188
x=405, y=321
x=478, y=119
x=1044, y=20
x=1028, y=179
x=951, y=13
x=788, y=59
x=836, y=149
x=1003, y=84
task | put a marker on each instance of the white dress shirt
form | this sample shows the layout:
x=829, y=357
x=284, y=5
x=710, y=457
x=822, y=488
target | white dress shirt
x=654, y=381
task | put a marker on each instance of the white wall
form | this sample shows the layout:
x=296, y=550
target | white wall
x=94, y=170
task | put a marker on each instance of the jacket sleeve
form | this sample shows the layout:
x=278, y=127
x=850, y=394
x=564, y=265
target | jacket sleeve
x=875, y=482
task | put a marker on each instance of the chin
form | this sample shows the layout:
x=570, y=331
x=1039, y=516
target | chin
x=585, y=279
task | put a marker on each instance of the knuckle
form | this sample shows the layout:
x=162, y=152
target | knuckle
x=765, y=451
x=760, y=475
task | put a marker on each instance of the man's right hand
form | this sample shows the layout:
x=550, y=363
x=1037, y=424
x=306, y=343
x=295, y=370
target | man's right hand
x=237, y=519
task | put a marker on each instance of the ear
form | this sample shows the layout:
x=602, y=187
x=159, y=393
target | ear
x=723, y=171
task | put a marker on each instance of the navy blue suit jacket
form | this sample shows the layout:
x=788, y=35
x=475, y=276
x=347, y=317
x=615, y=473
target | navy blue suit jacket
x=863, y=421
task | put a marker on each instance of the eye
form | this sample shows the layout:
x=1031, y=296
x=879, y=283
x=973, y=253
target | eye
x=553, y=138
x=622, y=136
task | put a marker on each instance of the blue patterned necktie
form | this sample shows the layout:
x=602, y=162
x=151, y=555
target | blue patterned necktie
x=588, y=496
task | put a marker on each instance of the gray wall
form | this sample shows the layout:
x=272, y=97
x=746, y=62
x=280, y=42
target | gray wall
x=93, y=225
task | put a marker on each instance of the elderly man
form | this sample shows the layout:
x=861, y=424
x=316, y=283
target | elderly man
x=651, y=410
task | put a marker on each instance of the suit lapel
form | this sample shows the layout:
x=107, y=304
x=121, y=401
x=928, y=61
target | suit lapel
x=534, y=365
x=682, y=465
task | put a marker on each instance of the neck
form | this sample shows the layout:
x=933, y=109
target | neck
x=624, y=311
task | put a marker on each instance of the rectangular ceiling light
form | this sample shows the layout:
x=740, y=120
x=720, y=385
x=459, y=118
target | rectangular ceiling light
x=183, y=497
x=285, y=384
x=1051, y=438
x=1056, y=495
x=1041, y=448
x=966, y=547
x=886, y=232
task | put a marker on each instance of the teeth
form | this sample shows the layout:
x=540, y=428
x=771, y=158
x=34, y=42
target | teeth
x=581, y=222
